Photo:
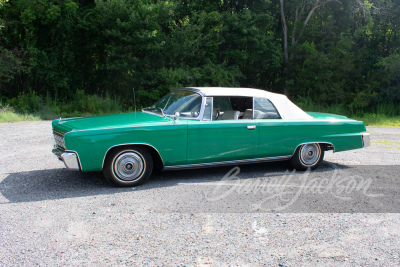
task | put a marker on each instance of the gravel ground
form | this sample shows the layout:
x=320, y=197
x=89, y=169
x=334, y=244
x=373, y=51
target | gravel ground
x=50, y=216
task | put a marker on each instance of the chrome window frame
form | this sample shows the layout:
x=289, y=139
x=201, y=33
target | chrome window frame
x=212, y=107
x=253, y=109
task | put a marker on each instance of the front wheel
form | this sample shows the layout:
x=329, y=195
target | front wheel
x=128, y=166
x=307, y=156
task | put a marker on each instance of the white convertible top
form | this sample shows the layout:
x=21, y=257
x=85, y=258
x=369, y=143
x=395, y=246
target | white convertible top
x=286, y=108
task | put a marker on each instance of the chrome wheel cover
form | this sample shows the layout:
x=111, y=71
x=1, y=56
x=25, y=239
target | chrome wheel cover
x=310, y=154
x=129, y=166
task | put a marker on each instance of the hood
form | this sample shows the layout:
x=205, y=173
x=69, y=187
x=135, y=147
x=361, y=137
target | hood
x=106, y=121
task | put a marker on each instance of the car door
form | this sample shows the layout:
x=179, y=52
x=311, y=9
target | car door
x=225, y=139
x=276, y=135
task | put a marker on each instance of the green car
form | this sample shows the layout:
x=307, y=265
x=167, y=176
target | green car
x=201, y=127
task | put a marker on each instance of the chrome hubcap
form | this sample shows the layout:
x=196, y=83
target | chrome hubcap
x=129, y=166
x=309, y=154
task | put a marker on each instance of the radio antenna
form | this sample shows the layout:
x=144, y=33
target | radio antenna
x=134, y=97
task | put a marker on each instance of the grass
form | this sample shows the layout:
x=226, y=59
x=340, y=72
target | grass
x=381, y=115
x=30, y=106
x=379, y=120
x=8, y=114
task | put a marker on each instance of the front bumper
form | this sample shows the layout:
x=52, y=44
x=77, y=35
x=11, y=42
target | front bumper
x=70, y=159
x=365, y=139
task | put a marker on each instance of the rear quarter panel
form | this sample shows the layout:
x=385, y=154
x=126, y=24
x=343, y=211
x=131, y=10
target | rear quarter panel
x=282, y=137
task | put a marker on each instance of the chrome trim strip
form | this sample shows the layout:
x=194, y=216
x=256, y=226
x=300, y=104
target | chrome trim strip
x=223, y=163
x=122, y=127
x=366, y=141
x=58, y=131
x=127, y=144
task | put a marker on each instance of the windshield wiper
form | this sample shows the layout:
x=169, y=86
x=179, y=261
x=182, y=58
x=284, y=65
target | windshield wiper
x=162, y=111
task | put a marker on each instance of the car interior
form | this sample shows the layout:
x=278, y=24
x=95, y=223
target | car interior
x=237, y=108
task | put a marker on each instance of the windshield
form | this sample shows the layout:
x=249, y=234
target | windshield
x=186, y=103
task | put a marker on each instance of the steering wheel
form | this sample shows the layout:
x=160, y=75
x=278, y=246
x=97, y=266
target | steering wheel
x=217, y=114
x=195, y=114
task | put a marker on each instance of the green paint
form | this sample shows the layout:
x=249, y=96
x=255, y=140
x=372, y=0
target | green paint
x=192, y=141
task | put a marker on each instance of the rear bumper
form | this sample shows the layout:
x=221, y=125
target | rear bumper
x=70, y=159
x=365, y=139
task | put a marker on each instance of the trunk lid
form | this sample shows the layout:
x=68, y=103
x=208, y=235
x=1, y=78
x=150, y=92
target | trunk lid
x=327, y=116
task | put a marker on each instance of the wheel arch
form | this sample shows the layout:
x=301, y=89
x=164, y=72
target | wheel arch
x=157, y=159
x=325, y=146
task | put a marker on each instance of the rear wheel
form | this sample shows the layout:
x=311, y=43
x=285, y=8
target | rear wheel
x=307, y=156
x=128, y=166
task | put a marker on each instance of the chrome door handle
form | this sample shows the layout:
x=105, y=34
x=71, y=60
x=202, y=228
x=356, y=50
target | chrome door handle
x=251, y=127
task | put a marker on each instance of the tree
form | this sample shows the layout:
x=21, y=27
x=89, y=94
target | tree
x=296, y=14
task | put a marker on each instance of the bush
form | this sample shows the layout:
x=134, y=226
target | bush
x=50, y=108
x=8, y=114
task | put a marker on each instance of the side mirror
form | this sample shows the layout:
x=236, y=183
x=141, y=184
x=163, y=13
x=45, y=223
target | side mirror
x=176, y=117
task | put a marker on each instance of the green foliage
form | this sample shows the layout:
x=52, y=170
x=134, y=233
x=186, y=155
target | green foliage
x=380, y=120
x=348, y=55
x=336, y=60
x=382, y=114
x=48, y=108
x=93, y=104
x=26, y=103
x=307, y=104
x=387, y=108
x=390, y=69
x=11, y=65
x=8, y=114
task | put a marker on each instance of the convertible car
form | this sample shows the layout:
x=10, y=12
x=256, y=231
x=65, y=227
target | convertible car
x=201, y=127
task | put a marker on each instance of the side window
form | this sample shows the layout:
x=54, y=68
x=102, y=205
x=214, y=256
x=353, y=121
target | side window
x=208, y=109
x=264, y=109
x=190, y=108
x=223, y=110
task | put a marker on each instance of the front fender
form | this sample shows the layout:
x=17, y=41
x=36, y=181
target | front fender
x=169, y=139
